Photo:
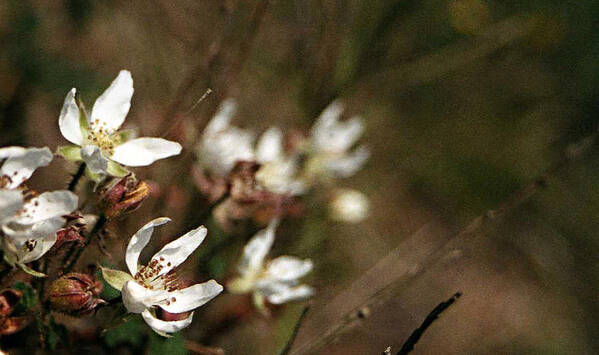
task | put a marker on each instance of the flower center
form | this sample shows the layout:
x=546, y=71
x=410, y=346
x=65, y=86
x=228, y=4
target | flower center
x=101, y=136
x=149, y=276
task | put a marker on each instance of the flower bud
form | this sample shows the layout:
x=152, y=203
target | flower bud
x=10, y=323
x=124, y=196
x=75, y=294
x=349, y=206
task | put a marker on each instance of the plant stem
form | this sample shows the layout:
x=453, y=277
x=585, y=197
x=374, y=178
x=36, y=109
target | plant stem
x=76, y=177
x=71, y=258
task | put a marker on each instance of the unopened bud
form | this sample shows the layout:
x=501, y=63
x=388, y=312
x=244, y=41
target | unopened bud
x=75, y=294
x=349, y=206
x=124, y=196
x=9, y=322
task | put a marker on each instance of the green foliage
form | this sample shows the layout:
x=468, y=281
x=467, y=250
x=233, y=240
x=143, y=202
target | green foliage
x=55, y=334
x=28, y=301
x=173, y=346
x=131, y=332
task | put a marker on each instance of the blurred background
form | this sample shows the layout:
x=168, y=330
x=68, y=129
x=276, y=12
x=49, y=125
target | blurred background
x=466, y=103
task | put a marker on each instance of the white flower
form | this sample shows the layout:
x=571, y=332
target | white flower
x=278, y=172
x=223, y=145
x=349, y=206
x=277, y=281
x=20, y=163
x=97, y=140
x=155, y=284
x=30, y=227
x=332, y=141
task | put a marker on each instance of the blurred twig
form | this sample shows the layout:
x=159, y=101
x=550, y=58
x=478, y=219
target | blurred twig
x=296, y=329
x=76, y=177
x=408, y=345
x=202, y=349
x=377, y=285
x=73, y=255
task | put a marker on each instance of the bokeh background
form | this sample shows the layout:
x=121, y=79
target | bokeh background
x=466, y=102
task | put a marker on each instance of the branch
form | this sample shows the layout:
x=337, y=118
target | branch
x=77, y=177
x=296, y=329
x=408, y=345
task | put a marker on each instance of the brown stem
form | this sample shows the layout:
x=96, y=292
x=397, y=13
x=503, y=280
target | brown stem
x=76, y=177
x=71, y=258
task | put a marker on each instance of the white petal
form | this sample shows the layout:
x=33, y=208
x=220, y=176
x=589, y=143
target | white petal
x=137, y=298
x=298, y=293
x=41, y=248
x=287, y=268
x=256, y=250
x=96, y=162
x=164, y=326
x=35, y=231
x=139, y=240
x=192, y=297
x=145, y=151
x=270, y=145
x=222, y=117
x=21, y=163
x=10, y=202
x=220, y=152
x=175, y=252
x=47, y=205
x=111, y=108
x=325, y=123
x=68, y=122
x=349, y=164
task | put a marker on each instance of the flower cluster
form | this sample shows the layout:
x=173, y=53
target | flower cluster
x=242, y=178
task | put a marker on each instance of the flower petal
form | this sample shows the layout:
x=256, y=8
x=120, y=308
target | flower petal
x=68, y=122
x=287, y=268
x=139, y=240
x=111, y=108
x=256, y=249
x=270, y=145
x=331, y=135
x=297, y=293
x=174, y=253
x=47, y=205
x=96, y=162
x=37, y=231
x=192, y=297
x=164, y=326
x=222, y=117
x=349, y=164
x=137, y=298
x=10, y=202
x=21, y=163
x=325, y=123
x=145, y=151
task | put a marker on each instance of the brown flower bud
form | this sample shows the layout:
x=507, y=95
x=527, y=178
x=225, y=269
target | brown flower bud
x=75, y=294
x=124, y=196
x=10, y=324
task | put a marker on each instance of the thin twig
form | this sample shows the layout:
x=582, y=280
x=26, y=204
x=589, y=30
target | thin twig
x=71, y=258
x=397, y=266
x=76, y=177
x=408, y=345
x=296, y=329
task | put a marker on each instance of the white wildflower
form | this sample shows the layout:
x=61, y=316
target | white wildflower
x=30, y=227
x=349, y=206
x=278, y=172
x=223, y=145
x=331, y=143
x=155, y=284
x=97, y=140
x=277, y=281
x=19, y=164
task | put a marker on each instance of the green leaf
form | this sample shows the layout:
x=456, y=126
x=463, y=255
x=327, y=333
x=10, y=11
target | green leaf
x=116, y=169
x=92, y=176
x=70, y=152
x=30, y=271
x=131, y=332
x=28, y=301
x=173, y=345
x=115, y=278
x=55, y=334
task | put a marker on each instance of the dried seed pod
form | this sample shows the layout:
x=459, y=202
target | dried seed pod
x=75, y=294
